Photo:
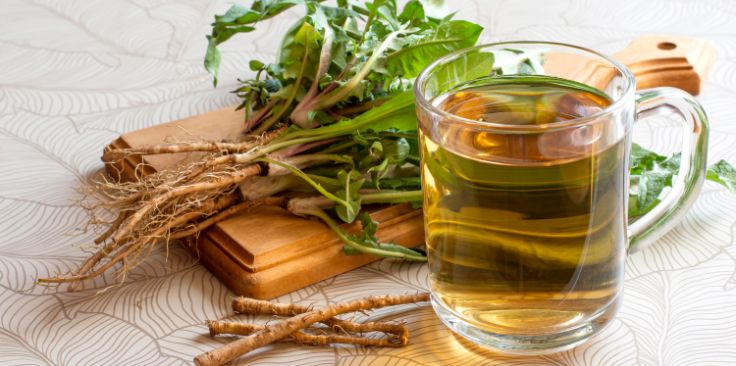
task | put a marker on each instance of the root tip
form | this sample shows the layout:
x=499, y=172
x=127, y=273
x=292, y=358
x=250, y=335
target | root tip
x=211, y=325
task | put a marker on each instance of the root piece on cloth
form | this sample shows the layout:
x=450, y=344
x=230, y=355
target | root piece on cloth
x=285, y=327
x=246, y=305
x=223, y=328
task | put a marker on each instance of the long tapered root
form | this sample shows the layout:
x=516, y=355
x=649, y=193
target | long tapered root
x=86, y=273
x=185, y=147
x=178, y=212
x=114, y=226
x=247, y=305
x=223, y=158
x=180, y=202
x=302, y=337
x=185, y=191
x=284, y=328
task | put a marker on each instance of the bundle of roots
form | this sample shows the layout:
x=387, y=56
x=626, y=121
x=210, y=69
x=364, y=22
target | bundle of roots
x=177, y=203
x=301, y=324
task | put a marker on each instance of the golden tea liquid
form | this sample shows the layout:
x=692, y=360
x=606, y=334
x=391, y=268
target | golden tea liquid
x=525, y=232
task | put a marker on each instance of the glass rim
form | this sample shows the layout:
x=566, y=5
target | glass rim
x=617, y=104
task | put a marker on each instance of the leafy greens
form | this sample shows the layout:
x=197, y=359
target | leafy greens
x=341, y=84
x=347, y=69
x=651, y=173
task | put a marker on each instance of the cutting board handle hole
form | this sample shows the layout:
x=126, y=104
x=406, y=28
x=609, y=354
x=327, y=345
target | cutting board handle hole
x=667, y=46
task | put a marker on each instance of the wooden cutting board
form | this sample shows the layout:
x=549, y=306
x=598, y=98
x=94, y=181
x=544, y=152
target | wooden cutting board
x=287, y=253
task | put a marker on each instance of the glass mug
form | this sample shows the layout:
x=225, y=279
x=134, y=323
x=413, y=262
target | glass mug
x=526, y=224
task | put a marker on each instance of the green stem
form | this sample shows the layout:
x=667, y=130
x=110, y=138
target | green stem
x=391, y=197
x=301, y=112
x=368, y=22
x=357, y=246
x=401, y=103
x=339, y=94
x=294, y=170
x=339, y=147
x=272, y=147
x=413, y=159
x=360, y=10
x=325, y=181
x=362, y=107
x=308, y=159
x=399, y=134
x=248, y=107
x=285, y=106
x=259, y=152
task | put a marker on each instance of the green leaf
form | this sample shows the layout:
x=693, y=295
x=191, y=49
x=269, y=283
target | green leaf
x=469, y=66
x=526, y=69
x=226, y=33
x=404, y=183
x=239, y=19
x=378, y=172
x=300, y=54
x=642, y=159
x=255, y=65
x=270, y=8
x=450, y=36
x=409, y=252
x=398, y=113
x=212, y=58
x=650, y=173
x=376, y=149
x=387, y=12
x=405, y=119
x=367, y=240
x=396, y=150
x=654, y=174
x=649, y=189
x=413, y=11
x=234, y=13
x=350, y=207
x=369, y=226
x=724, y=174
x=365, y=138
x=511, y=61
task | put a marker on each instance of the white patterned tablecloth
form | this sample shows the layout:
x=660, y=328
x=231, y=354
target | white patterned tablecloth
x=74, y=74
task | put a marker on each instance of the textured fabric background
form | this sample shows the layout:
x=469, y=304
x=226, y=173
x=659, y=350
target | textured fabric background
x=75, y=74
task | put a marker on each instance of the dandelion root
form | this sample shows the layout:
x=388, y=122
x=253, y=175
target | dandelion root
x=246, y=305
x=223, y=327
x=206, y=146
x=288, y=326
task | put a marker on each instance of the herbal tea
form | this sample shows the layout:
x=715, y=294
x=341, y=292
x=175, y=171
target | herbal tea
x=525, y=232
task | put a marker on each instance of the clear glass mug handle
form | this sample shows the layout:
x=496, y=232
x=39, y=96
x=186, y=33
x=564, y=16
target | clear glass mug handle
x=686, y=186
